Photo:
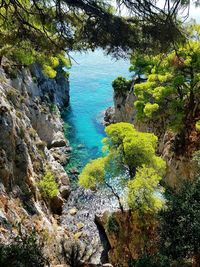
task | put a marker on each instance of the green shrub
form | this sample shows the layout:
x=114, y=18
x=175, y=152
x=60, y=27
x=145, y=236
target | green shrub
x=32, y=133
x=180, y=222
x=34, y=79
x=22, y=251
x=120, y=84
x=49, y=71
x=48, y=185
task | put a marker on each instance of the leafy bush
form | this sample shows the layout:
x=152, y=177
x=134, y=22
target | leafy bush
x=171, y=89
x=149, y=109
x=121, y=85
x=180, y=222
x=93, y=173
x=144, y=189
x=53, y=108
x=49, y=71
x=128, y=154
x=48, y=185
x=22, y=251
x=13, y=97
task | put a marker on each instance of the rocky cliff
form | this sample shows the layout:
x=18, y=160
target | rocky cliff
x=130, y=235
x=31, y=140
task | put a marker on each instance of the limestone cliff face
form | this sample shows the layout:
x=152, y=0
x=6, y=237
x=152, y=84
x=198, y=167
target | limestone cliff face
x=124, y=106
x=31, y=138
x=123, y=109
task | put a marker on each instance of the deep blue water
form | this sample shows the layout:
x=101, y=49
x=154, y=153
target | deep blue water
x=90, y=94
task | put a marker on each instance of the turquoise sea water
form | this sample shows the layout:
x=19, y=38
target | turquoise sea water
x=90, y=94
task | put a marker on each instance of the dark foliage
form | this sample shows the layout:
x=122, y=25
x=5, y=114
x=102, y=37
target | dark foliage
x=82, y=24
x=180, y=231
x=76, y=255
x=150, y=261
x=24, y=250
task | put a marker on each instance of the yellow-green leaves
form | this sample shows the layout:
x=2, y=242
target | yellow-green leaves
x=128, y=150
x=54, y=61
x=149, y=109
x=171, y=79
x=139, y=148
x=93, y=173
x=49, y=71
x=36, y=40
x=144, y=191
x=49, y=65
x=117, y=132
x=197, y=125
x=48, y=185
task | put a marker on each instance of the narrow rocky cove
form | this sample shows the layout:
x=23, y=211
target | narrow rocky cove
x=38, y=111
x=92, y=76
x=99, y=133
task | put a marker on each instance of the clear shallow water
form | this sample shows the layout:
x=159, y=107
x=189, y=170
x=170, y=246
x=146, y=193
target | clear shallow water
x=90, y=94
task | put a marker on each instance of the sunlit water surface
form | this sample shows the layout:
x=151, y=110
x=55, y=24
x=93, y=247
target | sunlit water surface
x=90, y=94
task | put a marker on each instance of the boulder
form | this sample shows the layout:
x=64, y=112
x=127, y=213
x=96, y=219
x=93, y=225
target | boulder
x=58, y=140
x=73, y=211
x=109, y=116
x=64, y=179
x=80, y=225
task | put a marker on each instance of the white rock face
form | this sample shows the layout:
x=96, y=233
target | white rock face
x=29, y=123
x=124, y=107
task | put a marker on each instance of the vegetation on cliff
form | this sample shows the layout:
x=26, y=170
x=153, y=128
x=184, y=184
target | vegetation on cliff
x=131, y=158
x=48, y=185
x=24, y=249
x=166, y=62
x=166, y=90
x=166, y=97
x=170, y=92
x=43, y=31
